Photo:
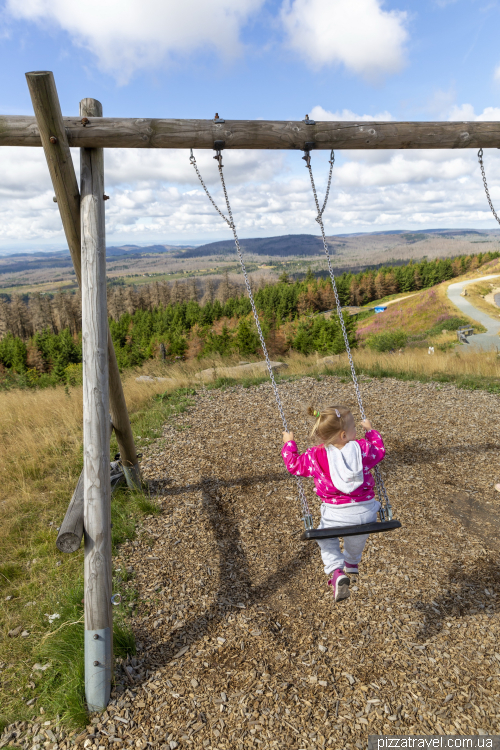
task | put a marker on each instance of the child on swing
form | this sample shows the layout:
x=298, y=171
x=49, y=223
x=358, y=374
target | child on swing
x=340, y=466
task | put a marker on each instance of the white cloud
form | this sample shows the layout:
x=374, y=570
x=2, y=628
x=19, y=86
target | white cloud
x=129, y=166
x=129, y=35
x=496, y=74
x=359, y=34
x=318, y=113
x=155, y=195
x=465, y=113
x=399, y=169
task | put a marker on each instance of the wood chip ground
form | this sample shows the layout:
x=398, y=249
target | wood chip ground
x=240, y=643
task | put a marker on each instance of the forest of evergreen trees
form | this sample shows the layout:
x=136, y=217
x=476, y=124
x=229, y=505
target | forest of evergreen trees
x=40, y=335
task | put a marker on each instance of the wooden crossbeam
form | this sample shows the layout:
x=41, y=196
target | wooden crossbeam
x=120, y=132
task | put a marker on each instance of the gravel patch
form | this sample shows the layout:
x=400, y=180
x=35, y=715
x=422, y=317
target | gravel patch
x=240, y=643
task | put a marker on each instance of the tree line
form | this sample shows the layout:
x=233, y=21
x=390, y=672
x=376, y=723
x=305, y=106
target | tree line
x=25, y=315
x=41, y=334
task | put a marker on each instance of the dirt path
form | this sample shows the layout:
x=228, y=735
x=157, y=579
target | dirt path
x=398, y=299
x=240, y=644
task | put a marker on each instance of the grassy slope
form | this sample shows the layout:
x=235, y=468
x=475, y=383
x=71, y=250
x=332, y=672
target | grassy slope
x=415, y=315
x=40, y=437
x=424, y=310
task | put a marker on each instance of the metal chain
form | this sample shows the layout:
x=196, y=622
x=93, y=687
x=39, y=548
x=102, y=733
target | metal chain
x=381, y=491
x=306, y=513
x=319, y=219
x=480, y=157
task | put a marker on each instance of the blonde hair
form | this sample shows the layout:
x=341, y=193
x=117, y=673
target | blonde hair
x=329, y=422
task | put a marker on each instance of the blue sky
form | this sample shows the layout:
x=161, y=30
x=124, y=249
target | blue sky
x=248, y=59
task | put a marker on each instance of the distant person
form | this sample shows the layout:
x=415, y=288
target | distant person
x=340, y=466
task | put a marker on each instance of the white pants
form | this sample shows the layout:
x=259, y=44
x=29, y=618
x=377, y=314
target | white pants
x=350, y=514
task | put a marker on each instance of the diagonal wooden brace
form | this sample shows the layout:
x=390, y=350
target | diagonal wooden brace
x=50, y=123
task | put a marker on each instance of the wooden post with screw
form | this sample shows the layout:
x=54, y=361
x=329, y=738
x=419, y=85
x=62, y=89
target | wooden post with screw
x=96, y=427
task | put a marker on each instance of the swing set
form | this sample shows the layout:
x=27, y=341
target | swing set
x=81, y=210
x=386, y=522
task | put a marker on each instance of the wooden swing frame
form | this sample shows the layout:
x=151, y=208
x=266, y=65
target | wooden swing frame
x=82, y=216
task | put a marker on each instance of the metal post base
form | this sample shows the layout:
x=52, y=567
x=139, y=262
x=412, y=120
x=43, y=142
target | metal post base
x=98, y=664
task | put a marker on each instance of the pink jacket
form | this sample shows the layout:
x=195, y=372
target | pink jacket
x=314, y=463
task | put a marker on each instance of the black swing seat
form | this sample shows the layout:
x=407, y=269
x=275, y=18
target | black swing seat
x=365, y=528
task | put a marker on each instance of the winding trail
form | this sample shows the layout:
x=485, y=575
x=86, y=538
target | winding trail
x=482, y=341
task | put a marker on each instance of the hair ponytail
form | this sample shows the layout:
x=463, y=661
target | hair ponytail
x=313, y=412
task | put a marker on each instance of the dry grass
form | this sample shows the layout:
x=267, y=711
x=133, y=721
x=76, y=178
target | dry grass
x=455, y=365
x=41, y=431
x=467, y=368
x=41, y=448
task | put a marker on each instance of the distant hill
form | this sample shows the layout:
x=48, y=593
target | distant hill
x=13, y=263
x=309, y=244
x=350, y=252
x=288, y=244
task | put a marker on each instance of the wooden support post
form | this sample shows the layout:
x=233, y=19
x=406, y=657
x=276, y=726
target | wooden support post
x=55, y=145
x=96, y=430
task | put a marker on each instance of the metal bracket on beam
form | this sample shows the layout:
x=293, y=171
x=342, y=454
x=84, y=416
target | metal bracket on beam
x=218, y=119
x=308, y=121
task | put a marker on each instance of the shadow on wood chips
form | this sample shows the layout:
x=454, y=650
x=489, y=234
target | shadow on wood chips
x=233, y=566
x=477, y=517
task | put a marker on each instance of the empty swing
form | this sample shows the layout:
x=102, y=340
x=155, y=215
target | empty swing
x=386, y=522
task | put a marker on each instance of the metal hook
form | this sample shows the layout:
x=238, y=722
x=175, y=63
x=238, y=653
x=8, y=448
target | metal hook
x=332, y=157
x=480, y=153
x=218, y=146
x=307, y=152
x=191, y=158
